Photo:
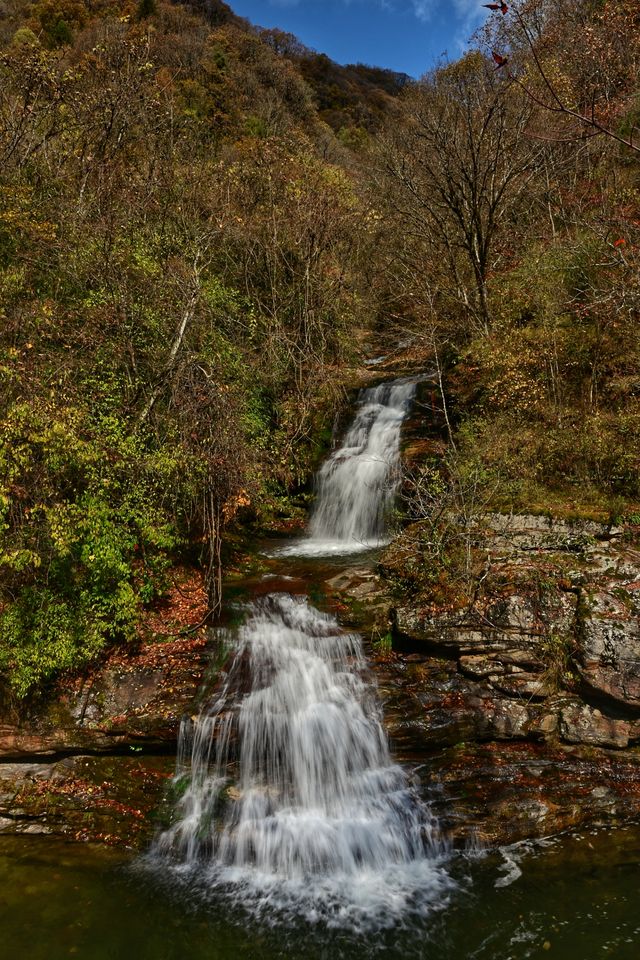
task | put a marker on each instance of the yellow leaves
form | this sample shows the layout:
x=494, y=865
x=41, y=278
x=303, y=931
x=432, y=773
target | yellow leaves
x=19, y=219
x=235, y=503
x=512, y=369
x=61, y=529
x=20, y=560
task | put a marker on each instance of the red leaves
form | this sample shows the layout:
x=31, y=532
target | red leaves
x=499, y=59
x=183, y=606
x=620, y=242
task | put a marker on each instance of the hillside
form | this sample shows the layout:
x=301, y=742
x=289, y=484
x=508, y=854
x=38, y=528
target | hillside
x=200, y=218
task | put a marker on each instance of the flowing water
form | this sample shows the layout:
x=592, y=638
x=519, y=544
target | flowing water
x=290, y=800
x=357, y=484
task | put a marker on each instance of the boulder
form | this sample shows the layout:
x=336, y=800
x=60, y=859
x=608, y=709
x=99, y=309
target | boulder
x=581, y=723
x=609, y=656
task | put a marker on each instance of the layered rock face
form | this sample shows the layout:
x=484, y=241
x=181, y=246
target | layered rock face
x=94, y=762
x=539, y=672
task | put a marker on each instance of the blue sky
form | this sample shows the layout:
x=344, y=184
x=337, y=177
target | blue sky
x=405, y=35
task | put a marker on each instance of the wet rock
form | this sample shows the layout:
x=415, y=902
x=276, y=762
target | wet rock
x=366, y=590
x=498, y=793
x=347, y=580
x=628, y=569
x=34, y=829
x=514, y=612
x=363, y=599
x=451, y=632
x=506, y=662
x=525, y=679
x=134, y=701
x=10, y=772
x=430, y=704
x=508, y=720
x=104, y=799
x=116, y=692
x=533, y=686
x=555, y=619
x=505, y=624
x=545, y=665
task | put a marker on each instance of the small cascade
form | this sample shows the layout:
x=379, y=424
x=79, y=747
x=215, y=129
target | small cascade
x=290, y=801
x=356, y=486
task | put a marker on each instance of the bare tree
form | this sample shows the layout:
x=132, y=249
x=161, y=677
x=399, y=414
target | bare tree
x=456, y=166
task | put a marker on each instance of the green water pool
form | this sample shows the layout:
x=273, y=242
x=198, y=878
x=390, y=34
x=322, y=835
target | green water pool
x=572, y=898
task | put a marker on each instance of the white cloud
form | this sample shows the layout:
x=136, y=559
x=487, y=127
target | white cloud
x=424, y=9
x=470, y=14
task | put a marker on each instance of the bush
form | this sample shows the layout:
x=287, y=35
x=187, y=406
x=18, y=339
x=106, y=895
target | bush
x=86, y=535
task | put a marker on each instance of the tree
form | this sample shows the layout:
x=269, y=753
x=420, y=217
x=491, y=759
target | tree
x=577, y=62
x=456, y=164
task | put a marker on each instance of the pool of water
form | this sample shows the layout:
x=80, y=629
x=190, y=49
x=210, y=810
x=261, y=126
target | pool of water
x=574, y=898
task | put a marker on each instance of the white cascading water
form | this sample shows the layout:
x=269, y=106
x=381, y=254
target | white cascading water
x=291, y=803
x=357, y=484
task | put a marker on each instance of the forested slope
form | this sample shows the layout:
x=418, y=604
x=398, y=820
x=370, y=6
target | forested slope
x=513, y=186
x=197, y=217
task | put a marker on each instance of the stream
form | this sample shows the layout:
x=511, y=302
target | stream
x=294, y=832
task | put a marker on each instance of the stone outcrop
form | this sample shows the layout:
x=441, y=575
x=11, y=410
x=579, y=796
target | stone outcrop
x=609, y=635
x=564, y=609
x=131, y=701
x=95, y=764
x=525, y=703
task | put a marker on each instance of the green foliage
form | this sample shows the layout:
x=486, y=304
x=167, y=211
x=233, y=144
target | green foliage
x=256, y=127
x=355, y=138
x=383, y=645
x=24, y=37
x=85, y=541
x=58, y=18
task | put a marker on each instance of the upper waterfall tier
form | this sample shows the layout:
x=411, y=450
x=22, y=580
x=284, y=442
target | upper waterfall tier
x=356, y=486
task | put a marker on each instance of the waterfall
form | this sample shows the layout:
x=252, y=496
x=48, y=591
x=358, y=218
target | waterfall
x=290, y=800
x=287, y=801
x=357, y=484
